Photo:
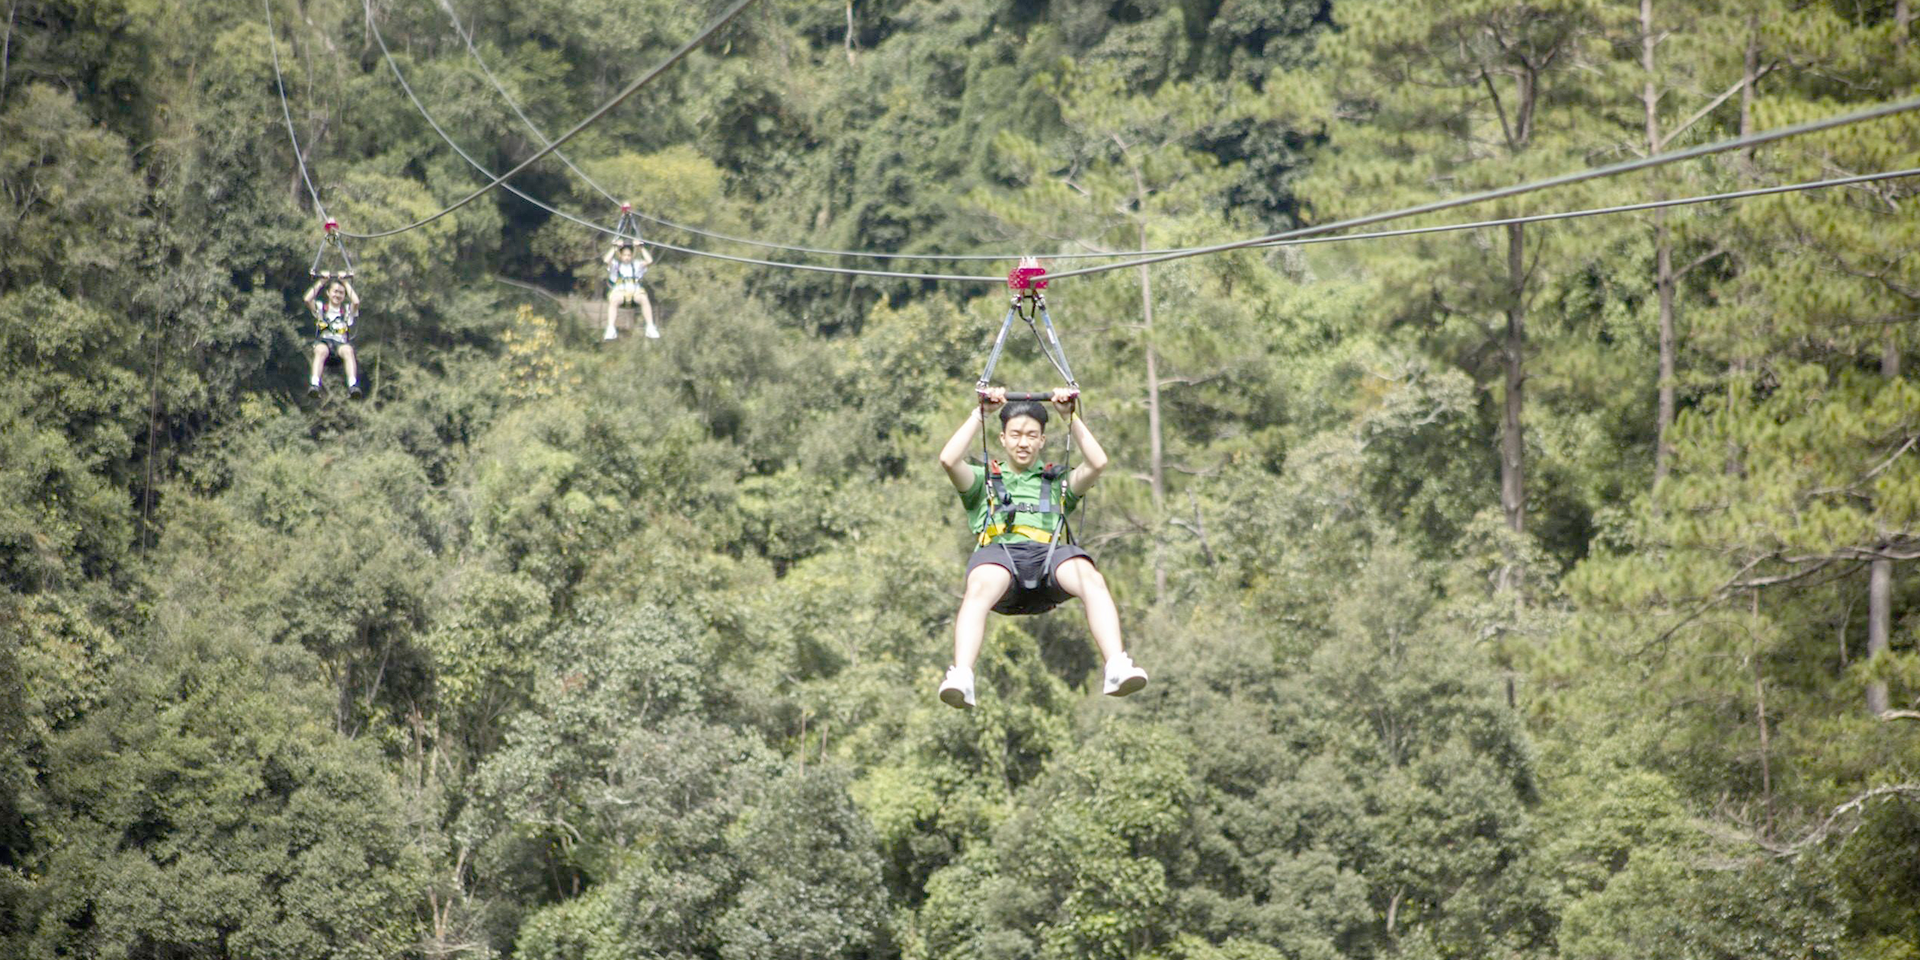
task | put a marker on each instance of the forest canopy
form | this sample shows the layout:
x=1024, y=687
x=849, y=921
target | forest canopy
x=1545, y=590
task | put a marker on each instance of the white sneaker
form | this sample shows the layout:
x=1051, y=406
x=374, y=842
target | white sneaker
x=1123, y=677
x=611, y=334
x=957, y=689
x=653, y=332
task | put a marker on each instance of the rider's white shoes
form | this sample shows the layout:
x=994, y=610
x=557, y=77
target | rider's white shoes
x=957, y=689
x=1122, y=678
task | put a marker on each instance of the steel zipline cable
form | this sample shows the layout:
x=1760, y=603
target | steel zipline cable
x=1291, y=241
x=632, y=88
x=279, y=80
x=427, y=115
x=1500, y=193
x=1599, y=211
x=541, y=136
x=1295, y=237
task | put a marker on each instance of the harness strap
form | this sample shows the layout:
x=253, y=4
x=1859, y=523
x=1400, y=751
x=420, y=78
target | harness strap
x=1036, y=534
x=1000, y=502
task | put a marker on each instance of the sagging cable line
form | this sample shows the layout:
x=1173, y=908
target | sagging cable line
x=1378, y=235
x=279, y=81
x=1298, y=237
x=1601, y=211
x=394, y=65
x=592, y=118
x=540, y=135
x=1565, y=179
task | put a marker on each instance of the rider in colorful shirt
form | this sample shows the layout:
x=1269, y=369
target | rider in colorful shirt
x=333, y=319
x=1016, y=510
x=623, y=285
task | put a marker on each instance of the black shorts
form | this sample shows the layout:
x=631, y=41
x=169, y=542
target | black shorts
x=1024, y=559
x=333, y=346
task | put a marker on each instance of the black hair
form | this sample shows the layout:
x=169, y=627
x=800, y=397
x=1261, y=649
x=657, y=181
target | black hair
x=1024, y=408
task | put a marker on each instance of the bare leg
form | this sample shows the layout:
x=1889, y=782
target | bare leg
x=985, y=586
x=1082, y=579
x=613, y=313
x=319, y=362
x=646, y=311
x=352, y=361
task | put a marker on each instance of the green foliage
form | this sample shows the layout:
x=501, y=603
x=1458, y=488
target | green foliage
x=567, y=649
x=207, y=804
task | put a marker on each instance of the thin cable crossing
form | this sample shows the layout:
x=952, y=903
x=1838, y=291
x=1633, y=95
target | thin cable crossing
x=393, y=65
x=1536, y=218
x=592, y=118
x=541, y=136
x=1624, y=208
x=1601, y=211
x=299, y=159
x=1565, y=179
x=1296, y=237
x=538, y=134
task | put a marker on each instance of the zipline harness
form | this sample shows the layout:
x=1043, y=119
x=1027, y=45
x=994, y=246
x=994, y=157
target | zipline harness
x=1027, y=282
x=622, y=273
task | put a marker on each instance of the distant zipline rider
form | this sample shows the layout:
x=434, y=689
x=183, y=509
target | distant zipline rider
x=1026, y=561
x=334, y=313
x=624, y=273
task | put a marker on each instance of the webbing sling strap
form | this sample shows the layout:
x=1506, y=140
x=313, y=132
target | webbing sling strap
x=1029, y=309
x=628, y=229
x=330, y=240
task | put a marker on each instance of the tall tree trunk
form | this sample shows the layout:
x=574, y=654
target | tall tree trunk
x=850, y=60
x=1669, y=343
x=1751, y=68
x=1513, y=483
x=1760, y=714
x=6, y=49
x=1879, y=628
x=1663, y=252
x=1880, y=577
x=1156, y=449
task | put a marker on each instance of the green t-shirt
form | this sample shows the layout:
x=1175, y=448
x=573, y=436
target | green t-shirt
x=1024, y=488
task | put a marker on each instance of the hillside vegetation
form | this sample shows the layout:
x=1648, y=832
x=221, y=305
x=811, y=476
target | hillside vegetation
x=1539, y=591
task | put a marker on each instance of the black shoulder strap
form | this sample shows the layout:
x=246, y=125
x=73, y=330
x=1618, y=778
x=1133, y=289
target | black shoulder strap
x=999, y=496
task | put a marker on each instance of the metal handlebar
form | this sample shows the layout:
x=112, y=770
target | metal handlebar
x=1046, y=397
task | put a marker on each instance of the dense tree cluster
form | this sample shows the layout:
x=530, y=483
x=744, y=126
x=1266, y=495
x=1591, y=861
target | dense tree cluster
x=1533, y=592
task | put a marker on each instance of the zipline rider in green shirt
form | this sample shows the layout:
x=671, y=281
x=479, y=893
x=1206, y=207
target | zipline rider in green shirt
x=1016, y=546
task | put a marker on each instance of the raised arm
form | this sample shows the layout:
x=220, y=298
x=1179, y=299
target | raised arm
x=1093, y=457
x=646, y=256
x=353, y=296
x=611, y=252
x=953, y=456
x=311, y=297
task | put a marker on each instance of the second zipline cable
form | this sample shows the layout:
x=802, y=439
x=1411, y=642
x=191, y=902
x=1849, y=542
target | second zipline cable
x=1300, y=236
x=592, y=118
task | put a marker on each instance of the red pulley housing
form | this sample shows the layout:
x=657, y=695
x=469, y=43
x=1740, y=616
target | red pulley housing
x=1027, y=276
